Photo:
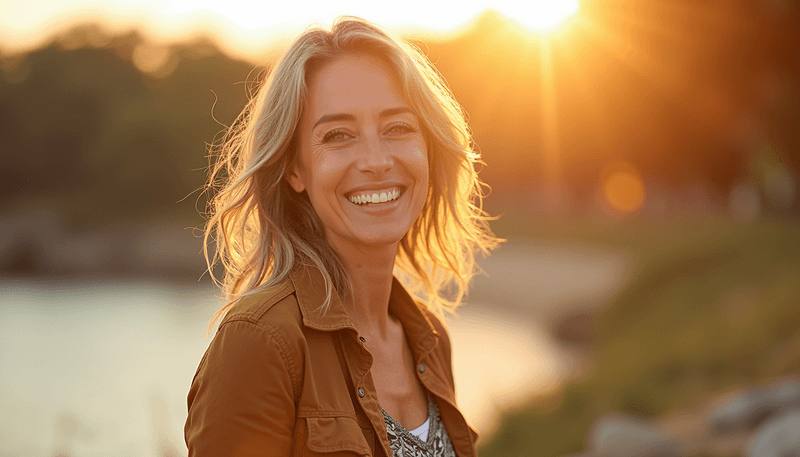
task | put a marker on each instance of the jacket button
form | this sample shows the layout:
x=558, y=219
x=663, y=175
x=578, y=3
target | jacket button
x=421, y=368
x=363, y=340
x=361, y=392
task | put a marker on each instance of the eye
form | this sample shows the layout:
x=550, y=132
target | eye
x=402, y=128
x=332, y=134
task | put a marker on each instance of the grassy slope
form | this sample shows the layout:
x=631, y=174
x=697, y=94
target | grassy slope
x=713, y=305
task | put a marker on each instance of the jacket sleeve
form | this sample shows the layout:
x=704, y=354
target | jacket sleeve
x=241, y=402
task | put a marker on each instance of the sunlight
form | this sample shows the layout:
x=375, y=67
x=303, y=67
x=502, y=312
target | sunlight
x=541, y=15
x=549, y=116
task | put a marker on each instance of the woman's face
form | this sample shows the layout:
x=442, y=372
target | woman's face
x=363, y=159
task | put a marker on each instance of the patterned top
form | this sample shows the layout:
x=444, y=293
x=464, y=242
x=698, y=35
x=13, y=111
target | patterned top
x=405, y=444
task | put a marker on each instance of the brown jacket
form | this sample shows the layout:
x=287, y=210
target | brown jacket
x=280, y=379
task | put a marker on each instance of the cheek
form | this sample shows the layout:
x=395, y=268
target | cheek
x=326, y=174
x=418, y=161
x=327, y=167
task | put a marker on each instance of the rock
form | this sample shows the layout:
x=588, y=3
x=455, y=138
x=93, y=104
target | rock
x=778, y=437
x=736, y=412
x=746, y=409
x=616, y=435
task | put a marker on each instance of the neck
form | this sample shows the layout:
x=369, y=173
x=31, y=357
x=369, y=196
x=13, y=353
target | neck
x=370, y=270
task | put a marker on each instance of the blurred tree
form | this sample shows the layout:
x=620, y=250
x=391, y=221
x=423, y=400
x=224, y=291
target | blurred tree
x=686, y=91
x=87, y=129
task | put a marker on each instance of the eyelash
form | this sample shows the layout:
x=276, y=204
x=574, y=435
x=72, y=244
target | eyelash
x=334, y=132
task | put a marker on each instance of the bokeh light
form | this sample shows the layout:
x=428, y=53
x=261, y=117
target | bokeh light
x=623, y=188
x=153, y=60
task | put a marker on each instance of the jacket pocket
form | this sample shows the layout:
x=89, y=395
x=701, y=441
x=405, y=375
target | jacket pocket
x=336, y=436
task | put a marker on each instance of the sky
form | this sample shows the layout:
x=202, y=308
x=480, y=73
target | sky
x=248, y=28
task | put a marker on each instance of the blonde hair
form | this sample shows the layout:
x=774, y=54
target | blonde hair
x=263, y=230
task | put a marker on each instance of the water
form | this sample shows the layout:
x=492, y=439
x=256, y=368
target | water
x=500, y=359
x=98, y=368
x=85, y=367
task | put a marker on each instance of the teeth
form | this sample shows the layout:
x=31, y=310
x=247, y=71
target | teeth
x=383, y=197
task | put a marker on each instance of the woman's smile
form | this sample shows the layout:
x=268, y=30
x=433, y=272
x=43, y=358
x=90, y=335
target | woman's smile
x=375, y=197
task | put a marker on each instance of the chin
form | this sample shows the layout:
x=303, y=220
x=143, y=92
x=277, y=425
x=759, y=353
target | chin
x=379, y=240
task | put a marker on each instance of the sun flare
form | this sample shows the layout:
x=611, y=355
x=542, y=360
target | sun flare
x=541, y=15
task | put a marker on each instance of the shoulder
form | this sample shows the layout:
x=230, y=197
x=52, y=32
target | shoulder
x=261, y=334
x=275, y=307
x=267, y=321
x=243, y=395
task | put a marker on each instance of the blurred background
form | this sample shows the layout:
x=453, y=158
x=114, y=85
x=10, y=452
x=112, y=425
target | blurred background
x=643, y=157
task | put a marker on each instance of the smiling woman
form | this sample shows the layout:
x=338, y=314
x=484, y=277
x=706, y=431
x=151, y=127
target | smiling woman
x=352, y=164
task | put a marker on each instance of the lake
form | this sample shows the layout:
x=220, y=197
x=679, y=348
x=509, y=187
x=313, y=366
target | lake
x=98, y=368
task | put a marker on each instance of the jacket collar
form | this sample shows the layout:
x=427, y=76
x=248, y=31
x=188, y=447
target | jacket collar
x=309, y=288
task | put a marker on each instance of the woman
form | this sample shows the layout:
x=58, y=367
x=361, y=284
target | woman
x=352, y=163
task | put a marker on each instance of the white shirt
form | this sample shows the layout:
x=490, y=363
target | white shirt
x=421, y=432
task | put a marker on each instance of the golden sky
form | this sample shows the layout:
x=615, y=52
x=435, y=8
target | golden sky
x=247, y=28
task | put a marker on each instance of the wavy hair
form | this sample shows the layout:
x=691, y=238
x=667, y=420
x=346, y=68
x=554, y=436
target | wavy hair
x=262, y=229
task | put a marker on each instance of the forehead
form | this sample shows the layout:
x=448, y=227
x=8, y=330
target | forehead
x=354, y=83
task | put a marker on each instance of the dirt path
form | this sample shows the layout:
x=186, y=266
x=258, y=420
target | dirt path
x=504, y=350
x=548, y=279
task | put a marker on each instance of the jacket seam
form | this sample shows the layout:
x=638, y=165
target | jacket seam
x=312, y=413
x=280, y=295
x=283, y=350
x=282, y=292
x=289, y=361
x=361, y=448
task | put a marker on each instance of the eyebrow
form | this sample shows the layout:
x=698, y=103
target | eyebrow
x=349, y=117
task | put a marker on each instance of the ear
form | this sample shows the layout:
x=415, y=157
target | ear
x=295, y=178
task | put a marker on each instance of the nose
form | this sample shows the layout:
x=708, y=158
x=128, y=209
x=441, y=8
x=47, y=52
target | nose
x=375, y=158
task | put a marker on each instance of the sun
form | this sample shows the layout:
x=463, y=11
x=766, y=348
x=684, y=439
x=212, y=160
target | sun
x=540, y=15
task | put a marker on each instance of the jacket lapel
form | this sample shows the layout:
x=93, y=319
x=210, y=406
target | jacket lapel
x=310, y=296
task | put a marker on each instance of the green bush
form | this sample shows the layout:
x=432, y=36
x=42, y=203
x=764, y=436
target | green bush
x=712, y=307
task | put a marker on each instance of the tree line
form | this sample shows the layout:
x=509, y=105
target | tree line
x=87, y=129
